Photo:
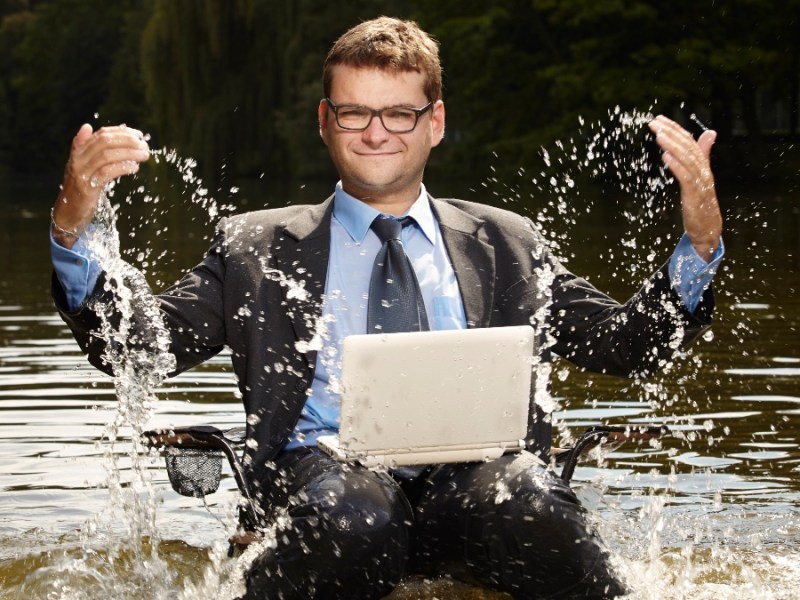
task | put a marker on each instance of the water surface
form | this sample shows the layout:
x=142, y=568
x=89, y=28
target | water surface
x=712, y=511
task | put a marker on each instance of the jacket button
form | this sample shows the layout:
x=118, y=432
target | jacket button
x=300, y=386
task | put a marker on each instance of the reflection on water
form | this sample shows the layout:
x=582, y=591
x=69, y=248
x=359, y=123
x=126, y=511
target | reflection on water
x=710, y=512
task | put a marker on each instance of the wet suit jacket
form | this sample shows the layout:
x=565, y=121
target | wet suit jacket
x=259, y=292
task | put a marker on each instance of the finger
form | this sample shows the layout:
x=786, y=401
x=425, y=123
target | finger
x=124, y=129
x=115, y=170
x=684, y=150
x=706, y=142
x=678, y=168
x=107, y=137
x=662, y=124
x=106, y=147
x=670, y=131
x=80, y=191
x=678, y=159
x=111, y=155
x=112, y=137
x=673, y=138
x=84, y=133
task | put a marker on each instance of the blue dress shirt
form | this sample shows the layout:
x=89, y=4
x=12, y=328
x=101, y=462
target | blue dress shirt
x=344, y=311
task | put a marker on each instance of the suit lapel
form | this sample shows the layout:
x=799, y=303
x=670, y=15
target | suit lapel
x=304, y=254
x=303, y=257
x=472, y=260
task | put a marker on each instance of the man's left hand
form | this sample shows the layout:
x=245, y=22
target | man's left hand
x=688, y=160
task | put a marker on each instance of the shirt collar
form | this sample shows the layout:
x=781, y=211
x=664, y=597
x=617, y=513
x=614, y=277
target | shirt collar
x=356, y=216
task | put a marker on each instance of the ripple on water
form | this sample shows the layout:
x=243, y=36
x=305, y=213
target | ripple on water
x=767, y=398
x=751, y=306
x=766, y=372
x=694, y=459
x=761, y=455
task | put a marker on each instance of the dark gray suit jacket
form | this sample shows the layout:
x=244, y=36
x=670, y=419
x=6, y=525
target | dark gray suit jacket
x=259, y=292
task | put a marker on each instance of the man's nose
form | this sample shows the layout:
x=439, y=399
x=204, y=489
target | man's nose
x=375, y=131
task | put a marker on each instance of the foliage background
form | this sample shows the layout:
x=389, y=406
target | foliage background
x=235, y=83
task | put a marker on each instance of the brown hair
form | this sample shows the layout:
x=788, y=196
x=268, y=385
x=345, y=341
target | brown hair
x=389, y=44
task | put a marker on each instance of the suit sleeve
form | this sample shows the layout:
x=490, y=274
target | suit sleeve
x=592, y=330
x=192, y=312
x=633, y=339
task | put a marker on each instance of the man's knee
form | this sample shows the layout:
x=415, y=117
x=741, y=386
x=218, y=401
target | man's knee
x=522, y=530
x=355, y=503
x=347, y=530
x=535, y=529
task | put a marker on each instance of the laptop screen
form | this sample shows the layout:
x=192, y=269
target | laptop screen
x=436, y=388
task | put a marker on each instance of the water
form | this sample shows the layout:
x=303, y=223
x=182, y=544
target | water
x=710, y=512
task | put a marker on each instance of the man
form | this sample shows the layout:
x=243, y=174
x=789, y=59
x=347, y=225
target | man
x=283, y=287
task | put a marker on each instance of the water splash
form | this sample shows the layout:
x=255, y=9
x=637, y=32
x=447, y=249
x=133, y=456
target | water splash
x=137, y=345
x=669, y=552
x=137, y=351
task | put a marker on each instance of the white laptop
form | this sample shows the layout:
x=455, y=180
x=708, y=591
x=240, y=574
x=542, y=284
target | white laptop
x=433, y=397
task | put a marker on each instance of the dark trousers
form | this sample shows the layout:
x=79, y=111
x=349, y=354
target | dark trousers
x=350, y=532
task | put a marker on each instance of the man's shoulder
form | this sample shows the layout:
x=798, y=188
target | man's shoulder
x=489, y=216
x=275, y=217
x=302, y=218
x=267, y=226
x=480, y=209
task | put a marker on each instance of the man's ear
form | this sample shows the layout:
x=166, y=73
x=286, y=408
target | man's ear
x=437, y=123
x=322, y=117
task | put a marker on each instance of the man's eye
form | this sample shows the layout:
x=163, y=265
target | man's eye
x=354, y=112
x=400, y=114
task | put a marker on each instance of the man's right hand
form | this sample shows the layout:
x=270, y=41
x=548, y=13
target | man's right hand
x=96, y=159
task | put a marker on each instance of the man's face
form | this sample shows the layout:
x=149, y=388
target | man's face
x=377, y=166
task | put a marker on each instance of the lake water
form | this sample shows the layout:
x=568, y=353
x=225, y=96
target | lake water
x=712, y=512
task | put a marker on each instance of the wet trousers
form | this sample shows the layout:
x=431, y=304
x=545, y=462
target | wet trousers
x=351, y=532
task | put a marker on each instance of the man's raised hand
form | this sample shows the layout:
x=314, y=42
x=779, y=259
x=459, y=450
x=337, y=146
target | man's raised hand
x=689, y=161
x=96, y=159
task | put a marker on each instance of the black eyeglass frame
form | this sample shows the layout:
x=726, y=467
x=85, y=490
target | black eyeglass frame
x=418, y=112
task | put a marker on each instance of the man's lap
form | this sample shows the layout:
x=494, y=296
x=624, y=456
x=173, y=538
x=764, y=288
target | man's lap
x=509, y=523
x=347, y=533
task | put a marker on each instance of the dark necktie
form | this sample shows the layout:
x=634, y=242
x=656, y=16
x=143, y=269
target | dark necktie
x=395, y=301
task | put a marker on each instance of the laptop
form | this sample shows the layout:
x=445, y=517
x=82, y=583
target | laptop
x=433, y=397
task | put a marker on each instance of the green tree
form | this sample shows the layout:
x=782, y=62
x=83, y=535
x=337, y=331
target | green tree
x=15, y=22
x=210, y=88
x=237, y=83
x=58, y=77
x=521, y=73
x=493, y=57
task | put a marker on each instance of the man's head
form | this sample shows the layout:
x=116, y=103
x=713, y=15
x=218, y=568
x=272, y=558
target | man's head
x=388, y=44
x=382, y=111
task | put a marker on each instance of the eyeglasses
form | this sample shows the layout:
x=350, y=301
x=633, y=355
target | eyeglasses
x=395, y=119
